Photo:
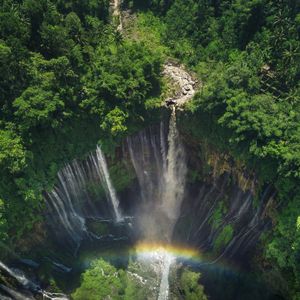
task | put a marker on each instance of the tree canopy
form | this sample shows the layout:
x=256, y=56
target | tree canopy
x=67, y=80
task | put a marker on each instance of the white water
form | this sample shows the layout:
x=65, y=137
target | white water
x=109, y=189
x=160, y=262
x=20, y=277
x=16, y=295
x=172, y=196
x=64, y=203
x=164, y=284
x=174, y=174
x=161, y=171
x=70, y=202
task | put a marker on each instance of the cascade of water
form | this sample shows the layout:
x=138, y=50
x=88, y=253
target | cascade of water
x=161, y=171
x=16, y=295
x=222, y=205
x=163, y=145
x=164, y=284
x=71, y=201
x=109, y=189
x=20, y=277
x=54, y=296
x=175, y=172
x=64, y=203
x=147, y=162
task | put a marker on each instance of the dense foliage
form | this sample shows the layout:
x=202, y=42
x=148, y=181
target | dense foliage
x=250, y=67
x=247, y=55
x=67, y=79
x=189, y=286
x=104, y=281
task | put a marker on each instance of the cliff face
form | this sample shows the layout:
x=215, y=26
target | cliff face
x=223, y=213
x=225, y=210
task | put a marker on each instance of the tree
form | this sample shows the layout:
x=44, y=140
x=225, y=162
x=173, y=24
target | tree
x=74, y=27
x=3, y=222
x=34, y=11
x=12, y=153
x=49, y=97
x=189, y=284
x=114, y=122
x=101, y=281
x=55, y=41
x=95, y=8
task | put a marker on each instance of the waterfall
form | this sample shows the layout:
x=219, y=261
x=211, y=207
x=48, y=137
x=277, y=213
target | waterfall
x=20, y=277
x=64, y=203
x=172, y=196
x=219, y=205
x=107, y=184
x=16, y=295
x=175, y=173
x=161, y=170
x=29, y=285
x=164, y=284
x=147, y=160
x=71, y=201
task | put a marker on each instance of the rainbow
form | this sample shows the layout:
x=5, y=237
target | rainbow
x=190, y=254
x=174, y=250
x=181, y=252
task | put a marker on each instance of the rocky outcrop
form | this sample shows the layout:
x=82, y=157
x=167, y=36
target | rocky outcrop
x=116, y=14
x=185, y=85
x=225, y=211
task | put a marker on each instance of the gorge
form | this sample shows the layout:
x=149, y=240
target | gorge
x=149, y=150
x=167, y=221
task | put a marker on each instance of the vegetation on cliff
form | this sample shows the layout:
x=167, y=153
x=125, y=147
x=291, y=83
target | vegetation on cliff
x=102, y=280
x=246, y=53
x=68, y=78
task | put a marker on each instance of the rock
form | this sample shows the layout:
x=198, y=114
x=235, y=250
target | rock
x=183, y=80
x=171, y=102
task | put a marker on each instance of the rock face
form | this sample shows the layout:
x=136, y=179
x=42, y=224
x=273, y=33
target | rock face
x=116, y=14
x=183, y=80
x=225, y=211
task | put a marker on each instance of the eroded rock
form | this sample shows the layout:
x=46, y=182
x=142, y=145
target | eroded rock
x=183, y=80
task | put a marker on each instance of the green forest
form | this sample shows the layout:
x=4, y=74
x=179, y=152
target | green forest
x=69, y=80
x=66, y=75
